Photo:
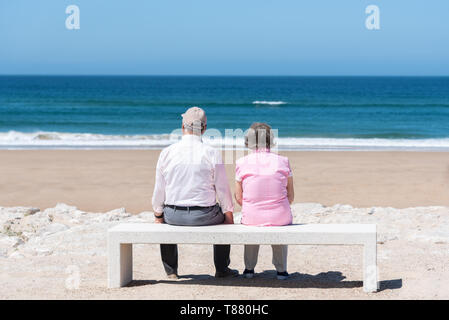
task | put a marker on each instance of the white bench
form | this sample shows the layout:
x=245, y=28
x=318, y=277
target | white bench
x=122, y=236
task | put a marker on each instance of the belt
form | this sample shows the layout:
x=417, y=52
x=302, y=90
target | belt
x=187, y=208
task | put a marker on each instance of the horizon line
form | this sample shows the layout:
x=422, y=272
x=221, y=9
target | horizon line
x=206, y=75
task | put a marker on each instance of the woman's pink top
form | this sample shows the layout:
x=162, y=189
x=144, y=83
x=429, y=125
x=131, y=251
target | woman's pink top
x=264, y=182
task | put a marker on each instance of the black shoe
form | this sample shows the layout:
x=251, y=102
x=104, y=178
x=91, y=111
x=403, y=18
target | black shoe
x=227, y=273
x=282, y=275
x=248, y=274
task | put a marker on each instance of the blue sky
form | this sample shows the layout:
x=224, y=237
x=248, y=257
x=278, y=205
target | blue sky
x=218, y=37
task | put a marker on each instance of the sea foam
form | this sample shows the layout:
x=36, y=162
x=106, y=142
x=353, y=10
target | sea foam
x=42, y=140
x=272, y=103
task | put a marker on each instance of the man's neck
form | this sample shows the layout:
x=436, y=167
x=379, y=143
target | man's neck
x=188, y=136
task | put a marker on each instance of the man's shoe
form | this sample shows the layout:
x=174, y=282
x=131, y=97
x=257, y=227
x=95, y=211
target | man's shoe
x=248, y=274
x=172, y=276
x=282, y=275
x=227, y=273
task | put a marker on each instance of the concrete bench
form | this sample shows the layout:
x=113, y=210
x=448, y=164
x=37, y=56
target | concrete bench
x=122, y=236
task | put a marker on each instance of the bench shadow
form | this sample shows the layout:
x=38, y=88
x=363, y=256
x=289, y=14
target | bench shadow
x=267, y=279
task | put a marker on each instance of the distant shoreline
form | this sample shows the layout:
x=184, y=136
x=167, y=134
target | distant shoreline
x=224, y=75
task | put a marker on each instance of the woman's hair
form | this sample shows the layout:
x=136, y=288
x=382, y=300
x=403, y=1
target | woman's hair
x=259, y=136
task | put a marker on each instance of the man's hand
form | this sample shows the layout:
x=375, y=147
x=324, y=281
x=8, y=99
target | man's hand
x=229, y=218
x=159, y=220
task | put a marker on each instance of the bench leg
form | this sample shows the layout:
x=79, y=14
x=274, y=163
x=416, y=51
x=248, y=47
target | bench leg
x=120, y=264
x=370, y=281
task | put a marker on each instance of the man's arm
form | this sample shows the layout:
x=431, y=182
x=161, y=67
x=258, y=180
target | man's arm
x=159, y=193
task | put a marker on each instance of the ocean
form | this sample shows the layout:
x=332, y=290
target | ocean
x=309, y=113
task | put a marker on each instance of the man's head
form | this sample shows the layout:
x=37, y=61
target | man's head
x=194, y=121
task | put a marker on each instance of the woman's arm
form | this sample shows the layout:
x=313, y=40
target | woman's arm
x=290, y=190
x=238, y=192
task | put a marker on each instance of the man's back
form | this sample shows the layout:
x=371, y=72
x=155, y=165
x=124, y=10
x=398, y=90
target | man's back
x=190, y=173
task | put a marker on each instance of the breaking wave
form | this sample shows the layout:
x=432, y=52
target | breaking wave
x=271, y=103
x=59, y=140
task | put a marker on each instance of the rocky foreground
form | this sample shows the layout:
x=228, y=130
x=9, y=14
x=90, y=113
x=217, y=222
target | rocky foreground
x=38, y=248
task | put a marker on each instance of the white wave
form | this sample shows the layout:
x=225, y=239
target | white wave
x=14, y=139
x=272, y=103
x=58, y=139
x=297, y=143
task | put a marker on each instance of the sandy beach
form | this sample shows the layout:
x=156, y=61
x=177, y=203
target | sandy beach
x=58, y=251
x=102, y=180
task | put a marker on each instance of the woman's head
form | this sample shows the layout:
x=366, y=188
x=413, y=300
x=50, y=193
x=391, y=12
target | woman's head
x=259, y=136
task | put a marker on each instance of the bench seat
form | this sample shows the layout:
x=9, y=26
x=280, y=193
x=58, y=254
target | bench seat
x=122, y=236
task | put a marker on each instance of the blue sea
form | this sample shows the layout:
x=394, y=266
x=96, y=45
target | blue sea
x=309, y=113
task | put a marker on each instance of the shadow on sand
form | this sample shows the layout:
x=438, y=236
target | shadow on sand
x=267, y=279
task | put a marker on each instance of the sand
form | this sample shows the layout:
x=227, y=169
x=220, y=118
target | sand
x=59, y=251
x=102, y=180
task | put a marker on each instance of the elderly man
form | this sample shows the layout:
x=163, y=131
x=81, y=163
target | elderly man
x=190, y=177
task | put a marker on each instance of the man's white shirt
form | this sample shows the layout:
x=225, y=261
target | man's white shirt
x=191, y=173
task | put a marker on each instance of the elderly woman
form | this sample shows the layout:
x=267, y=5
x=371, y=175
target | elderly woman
x=264, y=189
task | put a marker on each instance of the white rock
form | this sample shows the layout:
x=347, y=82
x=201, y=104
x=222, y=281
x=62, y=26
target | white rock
x=43, y=251
x=31, y=211
x=35, y=222
x=105, y=218
x=78, y=214
x=20, y=211
x=382, y=238
x=65, y=230
x=113, y=215
x=146, y=215
x=12, y=242
x=342, y=207
x=27, y=235
x=62, y=207
x=53, y=228
x=118, y=211
x=16, y=255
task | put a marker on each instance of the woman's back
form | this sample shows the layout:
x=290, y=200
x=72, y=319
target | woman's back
x=264, y=177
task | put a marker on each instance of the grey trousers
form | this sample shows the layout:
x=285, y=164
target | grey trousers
x=280, y=252
x=198, y=217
